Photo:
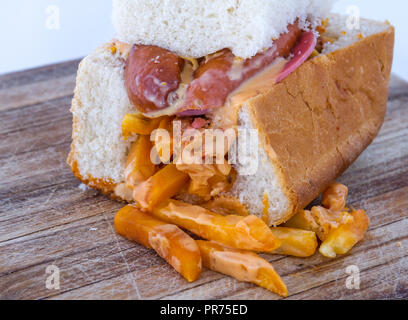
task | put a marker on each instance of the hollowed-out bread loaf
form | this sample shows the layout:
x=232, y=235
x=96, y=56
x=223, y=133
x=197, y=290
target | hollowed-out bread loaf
x=312, y=125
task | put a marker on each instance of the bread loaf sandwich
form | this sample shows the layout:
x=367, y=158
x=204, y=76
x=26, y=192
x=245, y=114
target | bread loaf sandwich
x=314, y=90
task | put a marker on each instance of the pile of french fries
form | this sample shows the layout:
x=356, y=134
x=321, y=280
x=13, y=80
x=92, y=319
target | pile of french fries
x=231, y=242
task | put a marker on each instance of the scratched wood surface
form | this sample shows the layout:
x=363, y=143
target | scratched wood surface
x=46, y=219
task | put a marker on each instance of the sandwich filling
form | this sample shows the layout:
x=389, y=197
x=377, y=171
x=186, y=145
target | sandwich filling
x=197, y=95
x=159, y=82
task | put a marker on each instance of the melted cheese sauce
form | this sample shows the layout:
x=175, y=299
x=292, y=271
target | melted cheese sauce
x=124, y=192
x=160, y=244
x=239, y=265
x=176, y=98
x=227, y=116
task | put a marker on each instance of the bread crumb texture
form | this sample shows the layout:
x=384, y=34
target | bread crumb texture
x=201, y=27
x=253, y=189
x=99, y=105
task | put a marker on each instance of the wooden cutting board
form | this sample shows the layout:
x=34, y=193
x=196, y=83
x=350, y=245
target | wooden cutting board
x=46, y=219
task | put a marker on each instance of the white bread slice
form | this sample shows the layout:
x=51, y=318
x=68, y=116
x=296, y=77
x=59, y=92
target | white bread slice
x=312, y=125
x=201, y=27
x=100, y=102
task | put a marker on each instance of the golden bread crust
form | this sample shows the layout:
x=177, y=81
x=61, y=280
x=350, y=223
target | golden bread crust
x=105, y=186
x=321, y=118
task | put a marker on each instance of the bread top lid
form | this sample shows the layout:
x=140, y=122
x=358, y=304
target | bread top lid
x=195, y=28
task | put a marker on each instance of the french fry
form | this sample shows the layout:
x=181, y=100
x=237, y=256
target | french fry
x=164, y=146
x=295, y=242
x=346, y=236
x=133, y=124
x=208, y=180
x=302, y=220
x=226, y=205
x=319, y=220
x=334, y=198
x=242, y=265
x=162, y=186
x=338, y=230
x=169, y=241
x=139, y=167
x=248, y=233
x=323, y=220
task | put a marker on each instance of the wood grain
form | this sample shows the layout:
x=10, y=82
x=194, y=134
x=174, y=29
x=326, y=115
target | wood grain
x=45, y=219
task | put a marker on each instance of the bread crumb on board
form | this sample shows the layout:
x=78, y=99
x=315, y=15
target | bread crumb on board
x=83, y=187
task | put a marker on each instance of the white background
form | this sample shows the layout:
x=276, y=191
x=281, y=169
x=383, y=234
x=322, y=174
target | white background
x=26, y=41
